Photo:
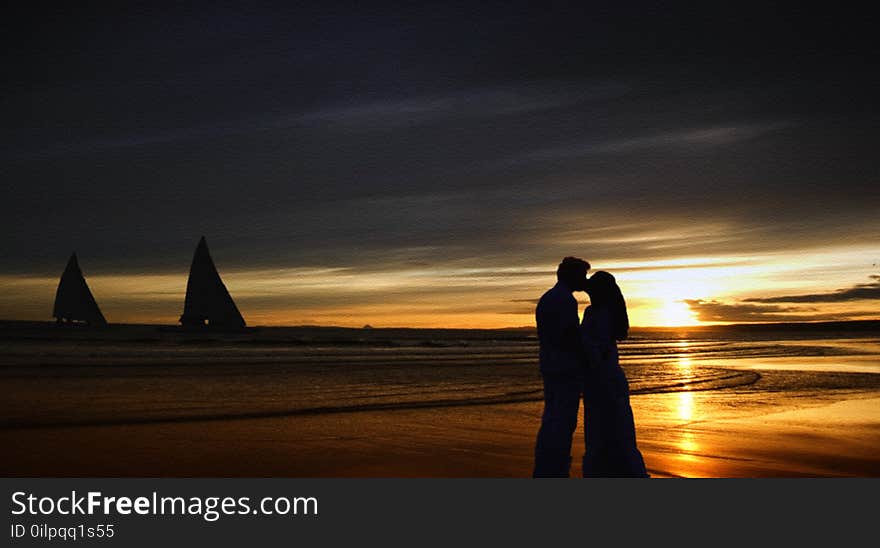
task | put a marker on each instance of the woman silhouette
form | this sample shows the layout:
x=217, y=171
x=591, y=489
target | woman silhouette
x=611, y=449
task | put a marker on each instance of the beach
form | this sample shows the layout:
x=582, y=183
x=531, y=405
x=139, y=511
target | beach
x=313, y=402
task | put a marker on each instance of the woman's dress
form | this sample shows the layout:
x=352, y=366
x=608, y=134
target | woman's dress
x=611, y=449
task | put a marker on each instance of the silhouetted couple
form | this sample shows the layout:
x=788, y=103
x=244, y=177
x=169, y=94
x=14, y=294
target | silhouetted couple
x=580, y=358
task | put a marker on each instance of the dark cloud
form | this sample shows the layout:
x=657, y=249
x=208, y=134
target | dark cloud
x=771, y=309
x=858, y=292
x=716, y=311
x=456, y=134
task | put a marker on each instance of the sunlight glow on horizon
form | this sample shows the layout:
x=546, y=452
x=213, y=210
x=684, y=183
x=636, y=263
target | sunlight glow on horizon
x=465, y=296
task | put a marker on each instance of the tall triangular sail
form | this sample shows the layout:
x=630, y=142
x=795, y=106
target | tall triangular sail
x=207, y=299
x=74, y=300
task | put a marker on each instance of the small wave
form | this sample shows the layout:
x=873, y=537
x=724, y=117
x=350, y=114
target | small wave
x=511, y=397
x=731, y=379
x=406, y=398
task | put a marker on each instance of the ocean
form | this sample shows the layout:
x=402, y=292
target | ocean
x=58, y=378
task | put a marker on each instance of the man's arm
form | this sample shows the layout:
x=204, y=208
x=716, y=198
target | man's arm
x=570, y=328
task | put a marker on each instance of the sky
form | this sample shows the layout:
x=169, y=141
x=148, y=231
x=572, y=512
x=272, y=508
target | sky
x=429, y=165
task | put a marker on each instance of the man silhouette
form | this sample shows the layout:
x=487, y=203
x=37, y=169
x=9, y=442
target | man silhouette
x=563, y=364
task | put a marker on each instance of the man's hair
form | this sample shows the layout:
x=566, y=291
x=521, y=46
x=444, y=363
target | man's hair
x=572, y=269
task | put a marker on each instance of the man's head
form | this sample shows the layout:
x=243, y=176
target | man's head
x=573, y=273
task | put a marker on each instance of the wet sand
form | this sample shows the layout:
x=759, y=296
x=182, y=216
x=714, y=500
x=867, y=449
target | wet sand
x=836, y=435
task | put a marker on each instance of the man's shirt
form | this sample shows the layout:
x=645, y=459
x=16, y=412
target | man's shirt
x=556, y=315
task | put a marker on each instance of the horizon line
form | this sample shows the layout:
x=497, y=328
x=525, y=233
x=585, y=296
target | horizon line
x=508, y=328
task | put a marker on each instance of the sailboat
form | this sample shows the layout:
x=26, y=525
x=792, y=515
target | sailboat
x=73, y=299
x=207, y=300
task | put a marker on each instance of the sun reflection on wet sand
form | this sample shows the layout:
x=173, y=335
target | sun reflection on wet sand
x=687, y=444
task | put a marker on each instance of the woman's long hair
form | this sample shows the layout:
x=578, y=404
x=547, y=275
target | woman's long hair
x=604, y=291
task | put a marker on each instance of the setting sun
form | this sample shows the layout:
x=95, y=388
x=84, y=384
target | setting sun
x=675, y=313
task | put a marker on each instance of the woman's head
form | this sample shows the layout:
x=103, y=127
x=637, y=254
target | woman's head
x=604, y=292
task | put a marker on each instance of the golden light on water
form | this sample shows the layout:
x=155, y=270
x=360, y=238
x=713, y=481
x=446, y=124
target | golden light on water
x=685, y=406
x=684, y=362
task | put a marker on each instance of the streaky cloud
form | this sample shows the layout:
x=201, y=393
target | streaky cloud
x=868, y=291
x=678, y=139
x=787, y=308
x=699, y=137
x=717, y=311
x=458, y=105
x=363, y=114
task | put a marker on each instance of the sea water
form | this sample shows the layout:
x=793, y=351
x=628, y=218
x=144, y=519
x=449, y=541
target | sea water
x=142, y=374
